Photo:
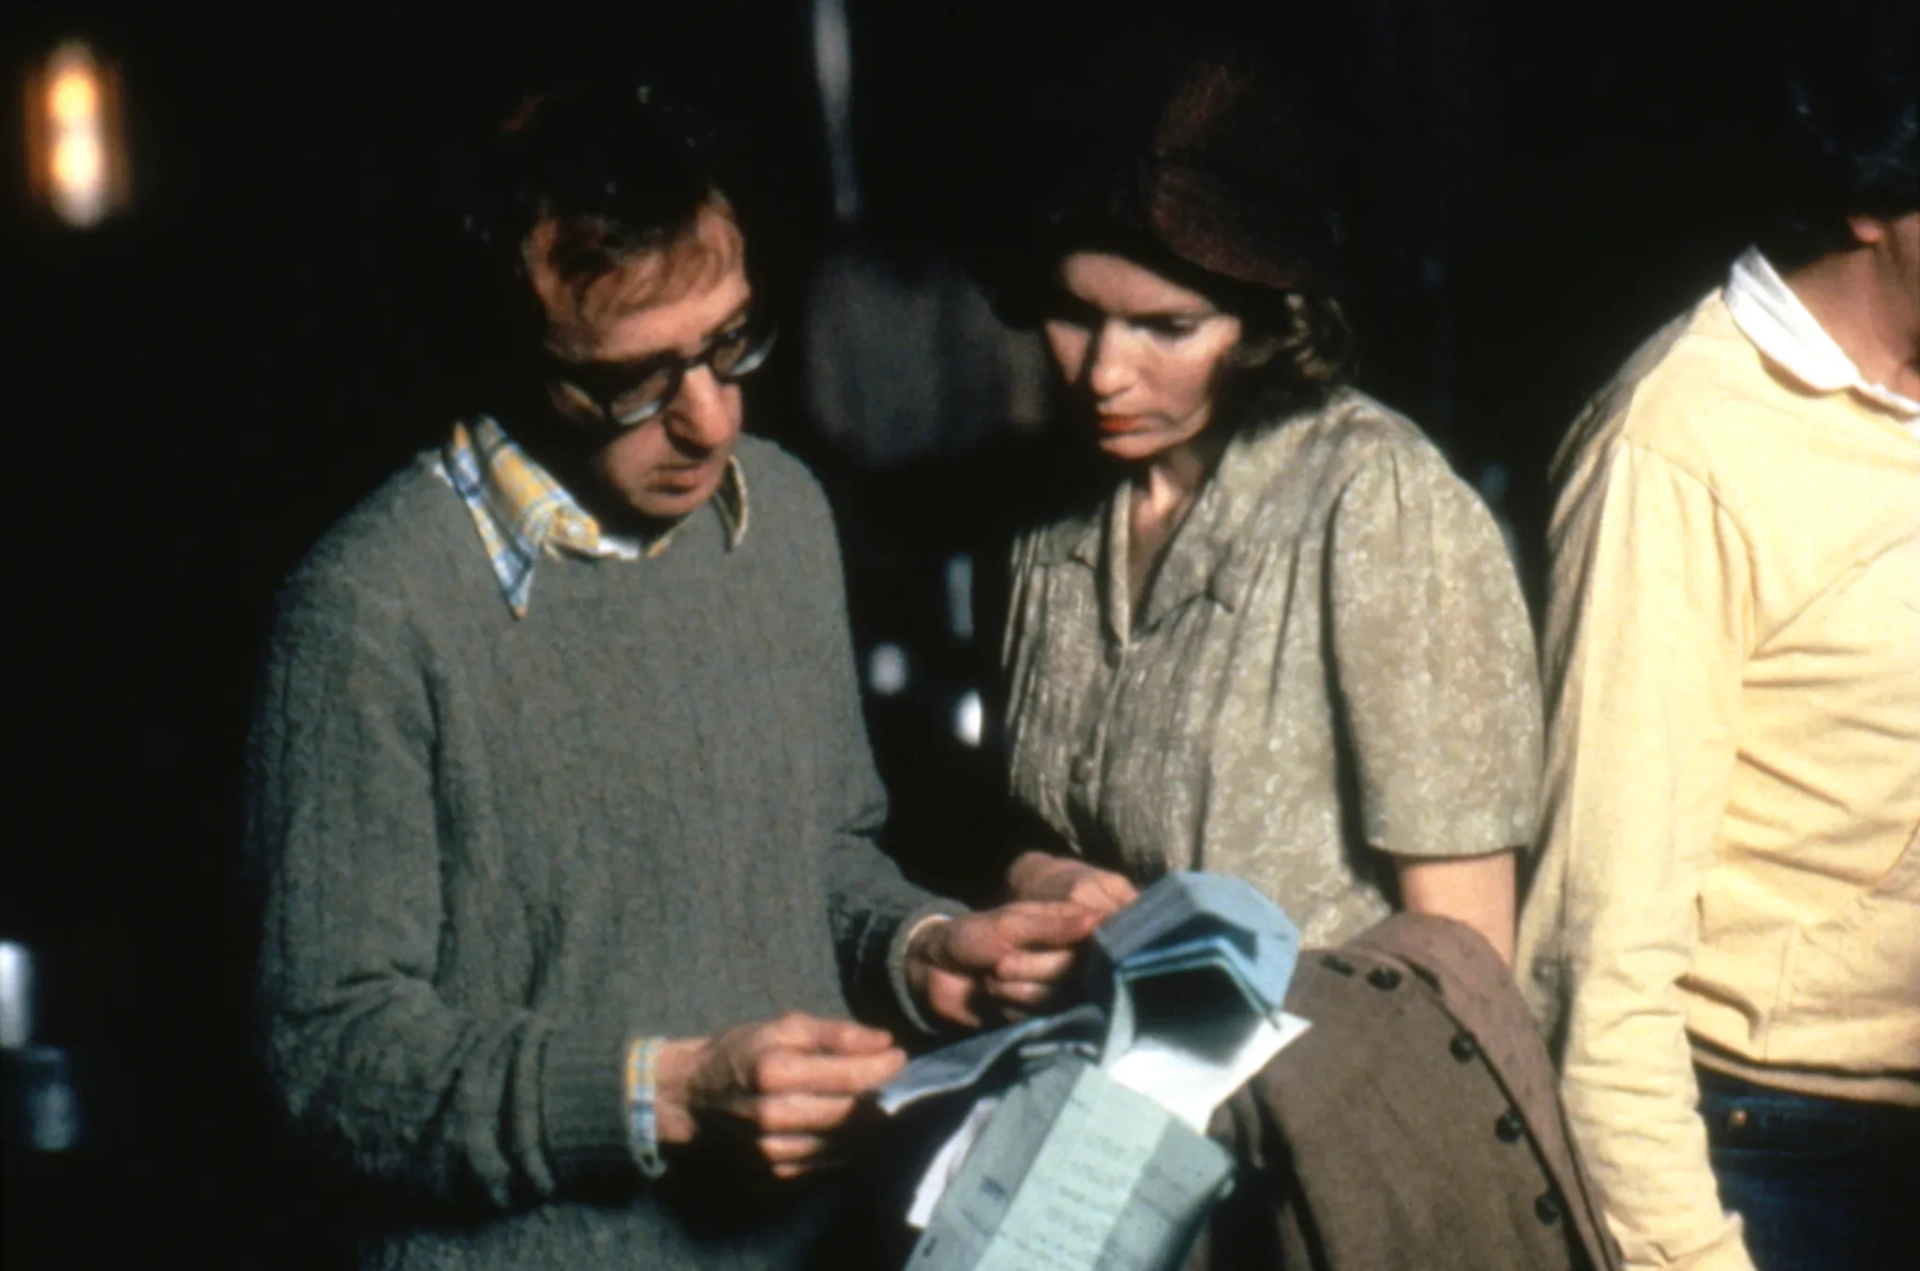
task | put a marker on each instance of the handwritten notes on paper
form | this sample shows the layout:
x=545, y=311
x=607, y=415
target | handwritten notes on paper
x=1075, y=1170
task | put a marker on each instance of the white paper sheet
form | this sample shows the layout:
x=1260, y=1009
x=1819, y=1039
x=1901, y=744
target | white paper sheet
x=1192, y=1072
x=947, y=1162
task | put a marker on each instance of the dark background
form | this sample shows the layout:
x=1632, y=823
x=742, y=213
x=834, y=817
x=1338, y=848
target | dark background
x=192, y=392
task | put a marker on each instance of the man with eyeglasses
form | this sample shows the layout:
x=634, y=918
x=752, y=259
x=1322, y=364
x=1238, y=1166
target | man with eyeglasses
x=560, y=793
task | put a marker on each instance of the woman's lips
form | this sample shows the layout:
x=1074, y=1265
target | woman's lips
x=1121, y=423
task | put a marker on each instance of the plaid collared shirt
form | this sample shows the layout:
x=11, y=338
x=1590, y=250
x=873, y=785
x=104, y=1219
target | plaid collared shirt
x=522, y=512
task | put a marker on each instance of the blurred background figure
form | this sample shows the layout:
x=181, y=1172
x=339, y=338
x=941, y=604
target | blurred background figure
x=905, y=358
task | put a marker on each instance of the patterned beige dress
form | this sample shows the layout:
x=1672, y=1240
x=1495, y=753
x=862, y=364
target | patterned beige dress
x=1333, y=662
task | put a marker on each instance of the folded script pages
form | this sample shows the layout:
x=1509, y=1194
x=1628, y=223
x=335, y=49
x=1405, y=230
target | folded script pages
x=1086, y=1144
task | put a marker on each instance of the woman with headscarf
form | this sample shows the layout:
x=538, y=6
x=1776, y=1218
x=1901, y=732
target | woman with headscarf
x=1283, y=641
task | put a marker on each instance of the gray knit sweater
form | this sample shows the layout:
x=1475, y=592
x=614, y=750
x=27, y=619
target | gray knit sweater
x=494, y=849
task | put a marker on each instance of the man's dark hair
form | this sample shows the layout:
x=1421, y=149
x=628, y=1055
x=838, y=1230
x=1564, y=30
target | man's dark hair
x=619, y=166
x=1850, y=111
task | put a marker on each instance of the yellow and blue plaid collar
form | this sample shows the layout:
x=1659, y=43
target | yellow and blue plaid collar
x=522, y=512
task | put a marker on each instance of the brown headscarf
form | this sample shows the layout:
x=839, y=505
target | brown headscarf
x=1205, y=159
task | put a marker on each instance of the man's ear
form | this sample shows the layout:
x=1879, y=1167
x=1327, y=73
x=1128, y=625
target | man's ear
x=1868, y=231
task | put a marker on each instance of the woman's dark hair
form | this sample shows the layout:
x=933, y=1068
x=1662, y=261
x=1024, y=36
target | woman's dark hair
x=1295, y=347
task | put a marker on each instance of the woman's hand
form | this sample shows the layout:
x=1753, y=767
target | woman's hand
x=1009, y=959
x=1046, y=877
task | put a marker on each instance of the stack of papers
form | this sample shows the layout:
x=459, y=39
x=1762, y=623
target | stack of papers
x=1198, y=969
x=1192, y=920
x=1073, y=1172
x=1071, y=1164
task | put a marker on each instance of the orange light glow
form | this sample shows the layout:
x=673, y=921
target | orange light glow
x=78, y=164
x=76, y=158
x=74, y=99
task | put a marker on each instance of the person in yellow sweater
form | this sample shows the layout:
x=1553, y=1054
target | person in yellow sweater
x=1723, y=936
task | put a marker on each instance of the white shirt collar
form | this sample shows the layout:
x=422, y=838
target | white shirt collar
x=1781, y=327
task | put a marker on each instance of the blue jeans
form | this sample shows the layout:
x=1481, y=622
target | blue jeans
x=1822, y=1184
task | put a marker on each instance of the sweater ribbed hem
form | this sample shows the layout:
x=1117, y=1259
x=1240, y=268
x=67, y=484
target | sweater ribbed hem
x=583, y=1104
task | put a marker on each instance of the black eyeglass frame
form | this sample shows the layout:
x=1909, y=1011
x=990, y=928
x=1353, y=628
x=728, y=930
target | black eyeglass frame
x=594, y=381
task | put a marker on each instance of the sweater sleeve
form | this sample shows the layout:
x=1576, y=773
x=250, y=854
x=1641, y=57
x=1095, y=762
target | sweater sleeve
x=475, y=1105
x=872, y=906
x=1648, y=637
x=1433, y=657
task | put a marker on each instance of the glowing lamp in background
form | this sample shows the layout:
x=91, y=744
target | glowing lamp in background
x=76, y=150
x=887, y=669
x=970, y=718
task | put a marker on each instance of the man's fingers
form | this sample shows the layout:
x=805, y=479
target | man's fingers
x=1043, y=966
x=796, y=1152
x=801, y=1114
x=978, y=941
x=1020, y=992
x=1057, y=923
x=792, y=1155
x=791, y=1149
x=951, y=997
x=1104, y=892
x=794, y=1054
x=796, y=1031
x=783, y=1071
x=1028, y=941
x=844, y=1037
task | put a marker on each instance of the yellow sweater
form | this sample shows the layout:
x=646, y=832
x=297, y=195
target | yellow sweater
x=1731, y=870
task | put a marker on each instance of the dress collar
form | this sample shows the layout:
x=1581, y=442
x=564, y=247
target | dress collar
x=1201, y=558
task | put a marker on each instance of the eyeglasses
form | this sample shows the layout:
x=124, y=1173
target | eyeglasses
x=629, y=394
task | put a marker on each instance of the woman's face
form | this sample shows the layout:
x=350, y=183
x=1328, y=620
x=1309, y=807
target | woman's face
x=1141, y=349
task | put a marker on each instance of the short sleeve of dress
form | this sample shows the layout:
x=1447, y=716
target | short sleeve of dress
x=1432, y=656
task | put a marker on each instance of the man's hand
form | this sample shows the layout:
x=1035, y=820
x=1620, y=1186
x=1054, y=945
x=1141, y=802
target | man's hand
x=1044, y=876
x=1012, y=957
x=786, y=1083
